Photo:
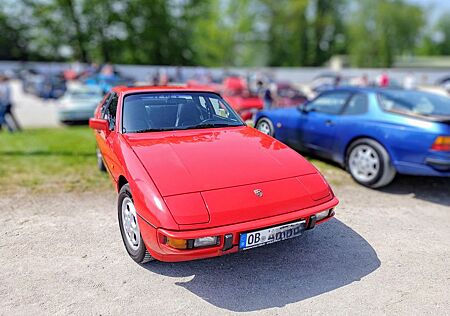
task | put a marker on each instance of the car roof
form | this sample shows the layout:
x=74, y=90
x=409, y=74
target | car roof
x=363, y=89
x=141, y=89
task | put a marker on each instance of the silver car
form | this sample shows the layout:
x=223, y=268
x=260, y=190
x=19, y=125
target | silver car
x=78, y=103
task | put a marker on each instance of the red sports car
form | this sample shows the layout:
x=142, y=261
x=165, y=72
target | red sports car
x=195, y=182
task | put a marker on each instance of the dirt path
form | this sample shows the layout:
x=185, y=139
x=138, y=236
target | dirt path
x=386, y=252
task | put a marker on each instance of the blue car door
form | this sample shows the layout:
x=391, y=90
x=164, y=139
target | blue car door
x=320, y=119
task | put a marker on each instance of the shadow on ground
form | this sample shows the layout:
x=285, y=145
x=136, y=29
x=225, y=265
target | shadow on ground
x=324, y=259
x=431, y=189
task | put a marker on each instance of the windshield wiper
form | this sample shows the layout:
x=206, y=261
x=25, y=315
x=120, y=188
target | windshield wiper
x=152, y=130
x=212, y=125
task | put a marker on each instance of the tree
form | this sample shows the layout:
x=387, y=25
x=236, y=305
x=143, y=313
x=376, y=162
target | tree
x=382, y=29
x=437, y=40
x=303, y=32
x=327, y=27
x=12, y=40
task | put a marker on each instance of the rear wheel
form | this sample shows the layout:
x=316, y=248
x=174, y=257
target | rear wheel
x=265, y=125
x=369, y=163
x=129, y=227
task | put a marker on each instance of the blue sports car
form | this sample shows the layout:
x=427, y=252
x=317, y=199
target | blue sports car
x=373, y=132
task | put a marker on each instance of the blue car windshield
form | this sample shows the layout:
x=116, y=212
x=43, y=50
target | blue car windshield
x=168, y=111
x=415, y=102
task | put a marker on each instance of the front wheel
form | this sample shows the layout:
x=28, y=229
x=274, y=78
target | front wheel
x=369, y=163
x=129, y=227
x=265, y=125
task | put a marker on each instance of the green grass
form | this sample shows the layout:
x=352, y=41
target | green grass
x=50, y=160
x=333, y=173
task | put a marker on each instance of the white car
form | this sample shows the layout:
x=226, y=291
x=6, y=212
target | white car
x=78, y=103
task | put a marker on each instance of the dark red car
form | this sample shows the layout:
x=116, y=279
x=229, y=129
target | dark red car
x=194, y=181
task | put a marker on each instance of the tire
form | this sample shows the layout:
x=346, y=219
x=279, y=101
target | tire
x=100, y=164
x=132, y=239
x=369, y=163
x=265, y=126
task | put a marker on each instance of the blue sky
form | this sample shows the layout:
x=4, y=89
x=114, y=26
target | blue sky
x=436, y=7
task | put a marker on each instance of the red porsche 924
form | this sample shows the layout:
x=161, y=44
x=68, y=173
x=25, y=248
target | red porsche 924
x=195, y=182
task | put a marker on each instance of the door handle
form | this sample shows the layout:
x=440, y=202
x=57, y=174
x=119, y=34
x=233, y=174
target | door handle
x=329, y=123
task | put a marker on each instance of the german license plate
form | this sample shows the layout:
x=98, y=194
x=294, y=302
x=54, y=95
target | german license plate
x=271, y=235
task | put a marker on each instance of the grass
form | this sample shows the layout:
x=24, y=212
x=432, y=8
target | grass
x=334, y=174
x=63, y=160
x=49, y=160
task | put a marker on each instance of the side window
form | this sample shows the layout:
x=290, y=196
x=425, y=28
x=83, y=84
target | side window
x=356, y=105
x=105, y=107
x=330, y=103
x=112, y=110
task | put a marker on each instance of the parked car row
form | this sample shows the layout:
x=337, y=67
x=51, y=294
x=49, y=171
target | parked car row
x=43, y=85
x=238, y=187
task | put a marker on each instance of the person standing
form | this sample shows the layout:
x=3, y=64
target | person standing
x=2, y=115
x=409, y=82
x=270, y=95
x=383, y=80
x=6, y=105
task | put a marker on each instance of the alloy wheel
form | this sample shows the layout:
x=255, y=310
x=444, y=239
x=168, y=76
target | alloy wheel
x=130, y=224
x=364, y=163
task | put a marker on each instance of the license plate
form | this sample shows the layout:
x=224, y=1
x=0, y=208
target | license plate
x=270, y=235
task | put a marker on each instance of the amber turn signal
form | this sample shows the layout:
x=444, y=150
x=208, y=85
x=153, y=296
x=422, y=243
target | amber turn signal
x=176, y=243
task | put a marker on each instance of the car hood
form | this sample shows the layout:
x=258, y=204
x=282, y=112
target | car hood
x=209, y=159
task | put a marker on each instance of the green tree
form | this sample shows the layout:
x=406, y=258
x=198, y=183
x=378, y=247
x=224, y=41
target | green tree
x=12, y=40
x=287, y=37
x=437, y=40
x=303, y=32
x=327, y=26
x=380, y=30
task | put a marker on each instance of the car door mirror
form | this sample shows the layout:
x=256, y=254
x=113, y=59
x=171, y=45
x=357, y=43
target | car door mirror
x=304, y=108
x=99, y=124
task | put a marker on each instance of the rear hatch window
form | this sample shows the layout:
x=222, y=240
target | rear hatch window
x=416, y=103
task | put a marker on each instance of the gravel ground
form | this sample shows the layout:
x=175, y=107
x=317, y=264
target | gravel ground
x=386, y=252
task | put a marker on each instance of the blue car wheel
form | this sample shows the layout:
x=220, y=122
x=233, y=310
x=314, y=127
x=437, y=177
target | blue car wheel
x=369, y=163
x=264, y=125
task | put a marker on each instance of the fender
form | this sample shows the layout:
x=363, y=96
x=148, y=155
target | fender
x=149, y=204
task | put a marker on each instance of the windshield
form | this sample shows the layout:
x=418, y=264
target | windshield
x=415, y=102
x=168, y=111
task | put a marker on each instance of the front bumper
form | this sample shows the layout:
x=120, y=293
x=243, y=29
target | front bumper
x=163, y=252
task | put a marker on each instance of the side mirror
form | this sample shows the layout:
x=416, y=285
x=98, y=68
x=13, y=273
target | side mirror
x=99, y=124
x=303, y=107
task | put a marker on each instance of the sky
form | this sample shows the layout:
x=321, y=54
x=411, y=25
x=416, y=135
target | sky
x=436, y=7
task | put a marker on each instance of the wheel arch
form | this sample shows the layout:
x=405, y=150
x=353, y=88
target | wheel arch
x=121, y=181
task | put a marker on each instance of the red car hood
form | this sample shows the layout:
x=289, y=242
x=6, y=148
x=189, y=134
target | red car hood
x=202, y=160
